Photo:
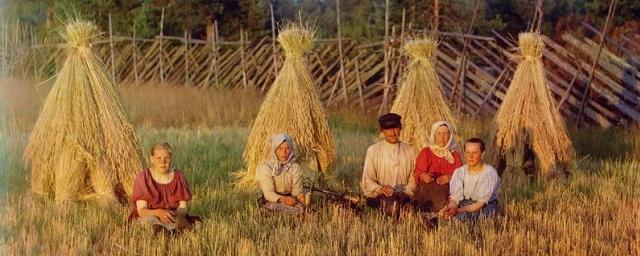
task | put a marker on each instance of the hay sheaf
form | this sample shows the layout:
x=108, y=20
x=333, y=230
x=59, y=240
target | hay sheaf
x=529, y=113
x=291, y=106
x=82, y=145
x=420, y=101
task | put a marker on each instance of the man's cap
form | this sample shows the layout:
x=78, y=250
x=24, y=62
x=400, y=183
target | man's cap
x=390, y=120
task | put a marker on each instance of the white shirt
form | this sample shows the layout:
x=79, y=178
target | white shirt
x=273, y=187
x=480, y=187
x=388, y=164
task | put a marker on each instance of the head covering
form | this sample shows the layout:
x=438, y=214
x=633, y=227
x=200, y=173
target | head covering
x=442, y=152
x=390, y=120
x=276, y=166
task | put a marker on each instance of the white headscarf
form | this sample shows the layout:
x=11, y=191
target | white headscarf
x=443, y=152
x=276, y=166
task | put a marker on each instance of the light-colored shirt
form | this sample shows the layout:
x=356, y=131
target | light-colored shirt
x=388, y=164
x=288, y=181
x=480, y=187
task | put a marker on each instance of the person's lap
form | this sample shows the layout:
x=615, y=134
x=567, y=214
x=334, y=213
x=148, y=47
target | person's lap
x=281, y=207
x=284, y=208
x=155, y=221
x=488, y=210
x=390, y=205
x=431, y=197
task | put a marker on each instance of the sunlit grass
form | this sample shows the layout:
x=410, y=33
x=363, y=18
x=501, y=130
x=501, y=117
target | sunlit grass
x=594, y=211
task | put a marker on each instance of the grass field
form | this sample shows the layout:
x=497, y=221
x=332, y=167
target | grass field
x=595, y=211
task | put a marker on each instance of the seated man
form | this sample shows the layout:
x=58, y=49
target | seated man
x=280, y=178
x=474, y=186
x=387, y=178
x=161, y=194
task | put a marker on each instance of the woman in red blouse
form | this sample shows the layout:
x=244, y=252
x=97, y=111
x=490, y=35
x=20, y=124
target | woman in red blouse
x=434, y=168
x=161, y=194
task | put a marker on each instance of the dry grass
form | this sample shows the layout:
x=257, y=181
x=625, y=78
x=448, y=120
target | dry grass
x=529, y=113
x=291, y=106
x=21, y=103
x=420, y=101
x=154, y=105
x=82, y=145
x=635, y=135
x=593, y=212
x=148, y=105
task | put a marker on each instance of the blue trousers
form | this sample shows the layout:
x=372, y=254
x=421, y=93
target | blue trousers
x=487, y=211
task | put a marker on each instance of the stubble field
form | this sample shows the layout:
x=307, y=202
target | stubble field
x=594, y=211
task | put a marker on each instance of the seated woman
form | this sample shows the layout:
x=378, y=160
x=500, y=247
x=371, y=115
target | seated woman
x=474, y=186
x=280, y=178
x=161, y=194
x=434, y=168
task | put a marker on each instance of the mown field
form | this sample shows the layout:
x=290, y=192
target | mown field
x=595, y=211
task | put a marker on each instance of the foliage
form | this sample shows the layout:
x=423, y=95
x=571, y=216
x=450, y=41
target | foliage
x=361, y=20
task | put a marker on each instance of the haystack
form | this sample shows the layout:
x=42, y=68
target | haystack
x=419, y=100
x=291, y=106
x=82, y=145
x=528, y=113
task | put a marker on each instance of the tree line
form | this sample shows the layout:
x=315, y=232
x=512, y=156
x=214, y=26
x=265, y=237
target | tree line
x=362, y=20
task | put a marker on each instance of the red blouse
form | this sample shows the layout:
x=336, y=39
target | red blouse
x=428, y=162
x=159, y=196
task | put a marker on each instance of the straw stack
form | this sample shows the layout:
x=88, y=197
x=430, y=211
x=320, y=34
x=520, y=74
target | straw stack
x=291, y=106
x=419, y=100
x=82, y=145
x=529, y=114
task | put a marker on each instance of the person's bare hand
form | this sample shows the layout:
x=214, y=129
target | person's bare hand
x=300, y=198
x=452, y=211
x=165, y=216
x=426, y=178
x=386, y=190
x=443, y=179
x=288, y=200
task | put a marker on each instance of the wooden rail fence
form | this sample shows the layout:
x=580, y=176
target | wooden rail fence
x=614, y=96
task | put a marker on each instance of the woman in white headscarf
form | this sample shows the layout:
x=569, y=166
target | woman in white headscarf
x=434, y=168
x=280, y=177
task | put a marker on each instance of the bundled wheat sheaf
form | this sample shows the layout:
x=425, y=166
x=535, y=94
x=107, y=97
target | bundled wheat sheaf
x=82, y=145
x=291, y=106
x=419, y=100
x=529, y=112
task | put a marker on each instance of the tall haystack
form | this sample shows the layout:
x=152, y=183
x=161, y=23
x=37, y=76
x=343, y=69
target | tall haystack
x=291, y=106
x=528, y=113
x=82, y=145
x=420, y=101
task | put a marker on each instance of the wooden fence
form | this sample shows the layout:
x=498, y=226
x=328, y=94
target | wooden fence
x=476, y=88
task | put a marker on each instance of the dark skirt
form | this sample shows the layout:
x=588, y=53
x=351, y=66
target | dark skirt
x=390, y=205
x=430, y=197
